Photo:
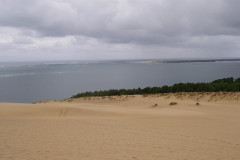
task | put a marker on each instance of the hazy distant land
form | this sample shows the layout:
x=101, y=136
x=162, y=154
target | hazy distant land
x=191, y=60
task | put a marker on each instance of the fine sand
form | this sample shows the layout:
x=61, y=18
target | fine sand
x=123, y=128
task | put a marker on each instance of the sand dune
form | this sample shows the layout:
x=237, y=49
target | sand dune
x=126, y=127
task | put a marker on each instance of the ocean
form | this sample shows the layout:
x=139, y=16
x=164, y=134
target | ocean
x=27, y=82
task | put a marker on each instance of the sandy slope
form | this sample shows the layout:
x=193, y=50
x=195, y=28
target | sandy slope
x=127, y=127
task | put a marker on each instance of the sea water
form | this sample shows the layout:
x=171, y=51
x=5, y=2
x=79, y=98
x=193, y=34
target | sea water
x=36, y=81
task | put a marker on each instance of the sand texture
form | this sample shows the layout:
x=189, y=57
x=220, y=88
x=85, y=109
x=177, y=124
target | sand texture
x=123, y=128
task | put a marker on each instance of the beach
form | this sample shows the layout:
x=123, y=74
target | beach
x=197, y=126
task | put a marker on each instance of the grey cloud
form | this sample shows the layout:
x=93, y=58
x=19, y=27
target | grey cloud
x=123, y=20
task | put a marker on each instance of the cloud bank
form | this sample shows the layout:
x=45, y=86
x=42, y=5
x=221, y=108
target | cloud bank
x=118, y=29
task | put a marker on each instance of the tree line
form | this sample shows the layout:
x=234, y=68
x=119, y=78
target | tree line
x=220, y=85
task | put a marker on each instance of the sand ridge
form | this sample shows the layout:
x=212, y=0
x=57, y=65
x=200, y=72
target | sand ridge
x=123, y=127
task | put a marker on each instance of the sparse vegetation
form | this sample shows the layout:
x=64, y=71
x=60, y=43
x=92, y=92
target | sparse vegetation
x=220, y=85
x=197, y=103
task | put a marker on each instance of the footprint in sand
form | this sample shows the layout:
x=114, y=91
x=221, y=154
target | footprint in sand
x=63, y=112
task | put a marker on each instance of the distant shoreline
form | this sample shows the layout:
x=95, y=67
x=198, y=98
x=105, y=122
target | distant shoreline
x=191, y=61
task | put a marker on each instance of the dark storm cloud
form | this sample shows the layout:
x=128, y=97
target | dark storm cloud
x=195, y=26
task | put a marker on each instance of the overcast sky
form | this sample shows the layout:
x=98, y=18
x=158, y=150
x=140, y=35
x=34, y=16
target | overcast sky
x=118, y=29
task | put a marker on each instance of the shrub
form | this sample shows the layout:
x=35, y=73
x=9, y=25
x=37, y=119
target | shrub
x=173, y=103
